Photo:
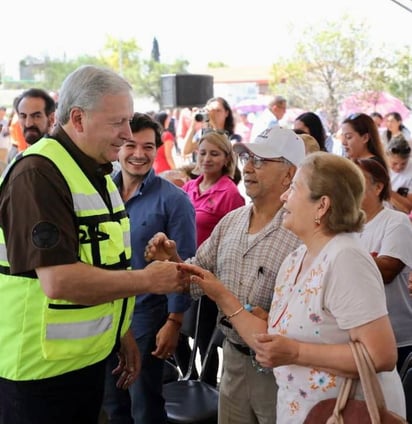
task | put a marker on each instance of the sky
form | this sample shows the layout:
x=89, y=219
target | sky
x=231, y=31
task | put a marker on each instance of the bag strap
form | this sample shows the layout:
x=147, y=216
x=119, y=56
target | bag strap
x=371, y=387
x=345, y=393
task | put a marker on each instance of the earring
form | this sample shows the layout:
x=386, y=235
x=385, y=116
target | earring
x=317, y=220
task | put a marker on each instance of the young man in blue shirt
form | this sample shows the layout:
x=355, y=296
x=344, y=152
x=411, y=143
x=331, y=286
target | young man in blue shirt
x=153, y=204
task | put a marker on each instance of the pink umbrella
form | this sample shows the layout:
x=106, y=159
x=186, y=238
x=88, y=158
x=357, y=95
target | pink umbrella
x=250, y=105
x=373, y=101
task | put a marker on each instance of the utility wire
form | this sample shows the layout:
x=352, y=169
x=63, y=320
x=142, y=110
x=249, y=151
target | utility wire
x=402, y=5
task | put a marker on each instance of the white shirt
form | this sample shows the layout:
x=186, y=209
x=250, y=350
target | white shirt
x=265, y=120
x=389, y=233
x=403, y=178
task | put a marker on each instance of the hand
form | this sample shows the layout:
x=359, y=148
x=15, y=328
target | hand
x=212, y=119
x=160, y=248
x=166, y=340
x=129, y=362
x=209, y=283
x=273, y=350
x=259, y=312
x=166, y=278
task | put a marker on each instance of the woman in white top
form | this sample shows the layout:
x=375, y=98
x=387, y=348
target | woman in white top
x=387, y=235
x=327, y=292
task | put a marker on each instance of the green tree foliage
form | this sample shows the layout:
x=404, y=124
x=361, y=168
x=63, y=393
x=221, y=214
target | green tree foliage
x=55, y=71
x=149, y=80
x=329, y=64
x=400, y=76
x=123, y=56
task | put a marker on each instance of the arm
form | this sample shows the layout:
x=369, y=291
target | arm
x=394, y=247
x=401, y=203
x=377, y=336
x=168, y=336
x=189, y=145
x=246, y=323
x=84, y=284
x=389, y=267
x=55, y=262
x=275, y=350
x=169, y=154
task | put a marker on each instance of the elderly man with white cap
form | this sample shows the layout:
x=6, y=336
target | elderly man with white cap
x=245, y=251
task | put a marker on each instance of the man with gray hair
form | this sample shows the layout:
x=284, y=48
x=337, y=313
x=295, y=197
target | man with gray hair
x=66, y=291
x=270, y=117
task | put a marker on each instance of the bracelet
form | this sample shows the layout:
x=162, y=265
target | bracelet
x=176, y=321
x=237, y=312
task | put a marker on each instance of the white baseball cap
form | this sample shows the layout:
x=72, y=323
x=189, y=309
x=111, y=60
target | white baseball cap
x=274, y=143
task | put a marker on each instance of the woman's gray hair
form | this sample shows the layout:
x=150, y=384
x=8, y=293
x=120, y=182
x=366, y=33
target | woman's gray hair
x=85, y=87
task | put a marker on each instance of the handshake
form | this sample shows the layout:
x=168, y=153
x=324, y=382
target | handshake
x=160, y=248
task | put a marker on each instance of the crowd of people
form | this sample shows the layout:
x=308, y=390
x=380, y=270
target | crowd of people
x=114, y=222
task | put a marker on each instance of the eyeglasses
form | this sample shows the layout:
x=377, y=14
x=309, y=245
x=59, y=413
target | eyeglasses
x=400, y=151
x=257, y=161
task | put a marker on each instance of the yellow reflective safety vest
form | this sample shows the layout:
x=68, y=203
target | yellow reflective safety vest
x=42, y=337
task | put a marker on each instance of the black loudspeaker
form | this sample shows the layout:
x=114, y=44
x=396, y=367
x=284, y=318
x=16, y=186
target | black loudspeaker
x=186, y=90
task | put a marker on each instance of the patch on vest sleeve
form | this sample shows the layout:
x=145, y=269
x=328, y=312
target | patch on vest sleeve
x=45, y=235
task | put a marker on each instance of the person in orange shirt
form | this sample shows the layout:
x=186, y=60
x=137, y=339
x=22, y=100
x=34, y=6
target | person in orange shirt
x=16, y=133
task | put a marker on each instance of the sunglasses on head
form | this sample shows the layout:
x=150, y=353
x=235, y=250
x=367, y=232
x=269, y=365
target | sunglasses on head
x=353, y=116
x=206, y=131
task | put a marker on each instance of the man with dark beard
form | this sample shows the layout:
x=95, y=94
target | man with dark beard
x=35, y=110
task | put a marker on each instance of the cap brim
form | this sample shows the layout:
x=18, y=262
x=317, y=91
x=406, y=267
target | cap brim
x=258, y=149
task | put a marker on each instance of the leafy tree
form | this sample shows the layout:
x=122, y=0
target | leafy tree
x=149, y=79
x=143, y=75
x=123, y=56
x=400, y=75
x=327, y=66
x=55, y=71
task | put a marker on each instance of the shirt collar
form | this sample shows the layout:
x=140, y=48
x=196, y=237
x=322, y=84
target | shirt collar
x=147, y=181
x=88, y=164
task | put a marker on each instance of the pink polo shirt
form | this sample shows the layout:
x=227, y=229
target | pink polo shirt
x=213, y=204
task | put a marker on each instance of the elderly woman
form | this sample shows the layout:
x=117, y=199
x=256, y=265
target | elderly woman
x=398, y=153
x=388, y=237
x=328, y=291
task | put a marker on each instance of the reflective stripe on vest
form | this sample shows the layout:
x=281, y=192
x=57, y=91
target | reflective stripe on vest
x=78, y=330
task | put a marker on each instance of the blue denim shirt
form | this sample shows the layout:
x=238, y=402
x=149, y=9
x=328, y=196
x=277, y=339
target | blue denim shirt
x=157, y=206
